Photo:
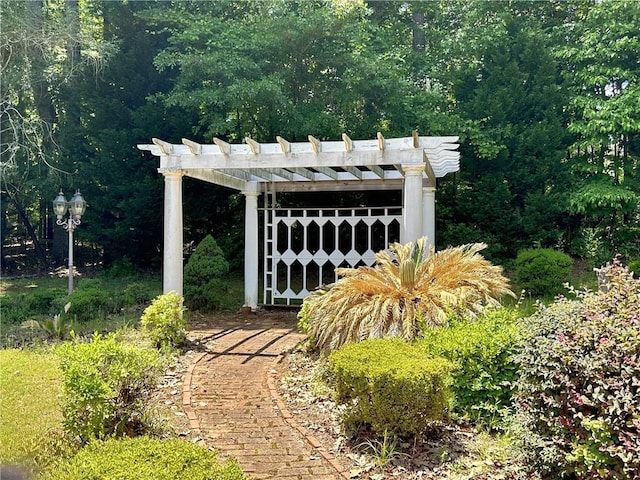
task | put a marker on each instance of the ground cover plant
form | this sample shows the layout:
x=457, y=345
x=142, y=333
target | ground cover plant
x=408, y=289
x=578, y=396
x=101, y=303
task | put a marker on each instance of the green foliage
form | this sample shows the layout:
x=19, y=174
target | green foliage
x=204, y=288
x=303, y=317
x=383, y=450
x=89, y=302
x=25, y=306
x=481, y=351
x=577, y=393
x=634, y=266
x=542, y=271
x=145, y=458
x=58, y=326
x=122, y=267
x=107, y=385
x=136, y=293
x=390, y=385
x=164, y=321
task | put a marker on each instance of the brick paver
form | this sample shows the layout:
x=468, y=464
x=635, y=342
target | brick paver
x=230, y=398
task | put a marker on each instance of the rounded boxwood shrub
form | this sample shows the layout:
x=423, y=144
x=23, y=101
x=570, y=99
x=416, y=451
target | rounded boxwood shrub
x=204, y=288
x=390, y=385
x=578, y=393
x=542, y=271
x=481, y=351
x=144, y=458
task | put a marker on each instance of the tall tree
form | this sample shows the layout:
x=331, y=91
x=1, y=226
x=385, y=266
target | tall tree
x=512, y=186
x=600, y=51
x=43, y=45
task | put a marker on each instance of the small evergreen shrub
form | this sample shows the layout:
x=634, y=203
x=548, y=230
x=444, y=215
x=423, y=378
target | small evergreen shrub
x=43, y=302
x=144, y=458
x=204, y=288
x=390, y=385
x=106, y=385
x=481, y=351
x=90, y=302
x=578, y=398
x=164, y=321
x=542, y=271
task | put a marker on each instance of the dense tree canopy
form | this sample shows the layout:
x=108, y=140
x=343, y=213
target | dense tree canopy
x=544, y=95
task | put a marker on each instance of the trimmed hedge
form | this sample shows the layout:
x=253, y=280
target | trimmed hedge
x=390, y=385
x=144, y=458
x=482, y=351
x=579, y=389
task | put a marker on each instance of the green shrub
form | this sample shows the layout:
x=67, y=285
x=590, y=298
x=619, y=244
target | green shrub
x=43, y=301
x=542, y=271
x=203, y=287
x=145, y=458
x=106, y=387
x=481, y=351
x=634, y=266
x=390, y=385
x=136, y=293
x=164, y=321
x=577, y=398
x=25, y=306
x=90, y=301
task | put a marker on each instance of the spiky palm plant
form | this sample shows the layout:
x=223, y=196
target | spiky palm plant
x=406, y=286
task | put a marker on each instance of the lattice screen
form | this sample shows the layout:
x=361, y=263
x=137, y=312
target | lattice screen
x=304, y=246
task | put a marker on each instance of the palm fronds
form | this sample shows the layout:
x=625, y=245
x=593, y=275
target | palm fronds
x=388, y=299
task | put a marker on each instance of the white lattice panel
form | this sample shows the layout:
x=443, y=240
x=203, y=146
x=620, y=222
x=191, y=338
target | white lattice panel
x=304, y=247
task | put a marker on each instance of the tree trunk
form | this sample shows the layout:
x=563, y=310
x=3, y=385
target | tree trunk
x=418, y=43
x=31, y=232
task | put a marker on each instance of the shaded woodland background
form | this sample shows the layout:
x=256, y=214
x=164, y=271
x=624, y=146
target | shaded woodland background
x=544, y=95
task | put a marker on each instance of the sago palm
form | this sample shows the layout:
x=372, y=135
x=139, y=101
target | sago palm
x=407, y=285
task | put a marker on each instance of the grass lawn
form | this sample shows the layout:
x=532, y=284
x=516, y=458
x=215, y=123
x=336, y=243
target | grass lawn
x=30, y=389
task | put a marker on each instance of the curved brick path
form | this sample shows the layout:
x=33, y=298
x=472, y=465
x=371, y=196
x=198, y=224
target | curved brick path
x=230, y=398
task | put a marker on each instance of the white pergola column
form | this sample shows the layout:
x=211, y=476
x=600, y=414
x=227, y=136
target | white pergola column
x=412, y=202
x=429, y=215
x=172, y=261
x=251, y=246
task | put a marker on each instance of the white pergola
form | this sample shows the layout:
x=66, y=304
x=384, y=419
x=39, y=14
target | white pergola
x=410, y=164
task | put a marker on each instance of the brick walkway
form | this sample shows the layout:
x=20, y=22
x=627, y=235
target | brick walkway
x=230, y=398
